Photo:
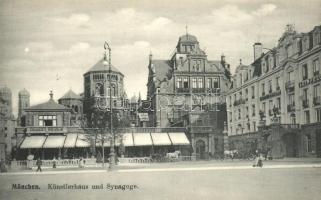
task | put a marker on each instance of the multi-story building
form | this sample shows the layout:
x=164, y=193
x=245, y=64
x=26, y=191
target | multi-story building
x=281, y=86
x=7, y=123
x=188, y=90
x=73, y=101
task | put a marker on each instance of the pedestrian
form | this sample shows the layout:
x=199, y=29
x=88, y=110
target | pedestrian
x=39, y=163
x=81, y=163
x=54, y=163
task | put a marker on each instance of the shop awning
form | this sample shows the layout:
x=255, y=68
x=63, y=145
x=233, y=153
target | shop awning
x=33, y=142
x=82, y=141
x=107, y=139
x=178, y=138
x=54, y=142
x=70, y=141
x=142, y=139
x=128, y=140
x=160, y=139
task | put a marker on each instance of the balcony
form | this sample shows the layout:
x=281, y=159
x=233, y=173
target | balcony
x=289, y=86
x=305, y=103
x=270, y=95
x=198, y=90
x=239, y=102
x=182, y=90
x=316, y=101
x=291, y=107
x=200, y=129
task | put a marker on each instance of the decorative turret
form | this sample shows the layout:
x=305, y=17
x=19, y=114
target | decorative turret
x=23, y=103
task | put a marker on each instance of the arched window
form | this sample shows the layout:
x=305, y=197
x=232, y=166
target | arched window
x=76, y=109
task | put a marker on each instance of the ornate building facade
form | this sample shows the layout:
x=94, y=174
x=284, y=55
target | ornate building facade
x=281, y=86
x=188, y=90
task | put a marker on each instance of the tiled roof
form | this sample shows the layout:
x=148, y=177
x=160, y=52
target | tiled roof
x=187, y=38
x=70, y=95
x=49, y=105
x=99, y=66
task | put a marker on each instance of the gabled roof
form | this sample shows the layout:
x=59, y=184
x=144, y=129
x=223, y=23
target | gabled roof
x=100, y=66
x=70, y=95
x=49, y=105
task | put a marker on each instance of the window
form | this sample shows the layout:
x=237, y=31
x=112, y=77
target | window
x=246, y=93
x=305, y=94
x=270, y=86
x=318, y=114
x=253, y=92
x=291, y=76
x=179, y=82
x=316, y=90
x=278, y=103
x=263, y=89
x=100, y=89
x=304, y=71
x=209, y=83
x=194, y=82
x=316, y=38
x=277, y=83
x=316, y=66
x=180, y=60
x=271, y=63
x=307, y=116
x=239, y=114
x=216, y=82
x=185, y=82
x=253, y=110
x=254, y=126
x=271, y=105
x=263, y=107
x=200, y=83
x=47, y=120
x=291, y=99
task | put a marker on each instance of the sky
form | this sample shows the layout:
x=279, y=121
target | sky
x=49, y=45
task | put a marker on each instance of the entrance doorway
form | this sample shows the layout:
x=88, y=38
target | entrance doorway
x=200, y=149
x=291, y=145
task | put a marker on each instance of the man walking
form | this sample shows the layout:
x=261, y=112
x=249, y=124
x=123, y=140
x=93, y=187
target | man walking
x=39, y=163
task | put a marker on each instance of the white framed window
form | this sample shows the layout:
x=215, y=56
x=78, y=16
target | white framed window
x=200, y=83
x=47, y=120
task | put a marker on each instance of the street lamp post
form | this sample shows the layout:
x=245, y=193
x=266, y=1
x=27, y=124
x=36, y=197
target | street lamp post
x=112, y=144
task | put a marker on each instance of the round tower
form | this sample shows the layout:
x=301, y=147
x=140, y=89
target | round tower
x=23, y=103
x=5, y=102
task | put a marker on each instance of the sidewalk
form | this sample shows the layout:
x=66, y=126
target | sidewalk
x=177, y=166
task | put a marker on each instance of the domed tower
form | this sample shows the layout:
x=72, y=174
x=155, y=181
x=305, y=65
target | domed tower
x=73, y=101
x=5, y=102
x=97, y=87
x=23, y=103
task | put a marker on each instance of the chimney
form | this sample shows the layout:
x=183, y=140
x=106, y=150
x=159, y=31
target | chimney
x=257, y=47
x=150, y=56
x=222, y=58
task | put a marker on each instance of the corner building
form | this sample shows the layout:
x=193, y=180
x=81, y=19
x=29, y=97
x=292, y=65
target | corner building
x=274, y=103
x=188, y=90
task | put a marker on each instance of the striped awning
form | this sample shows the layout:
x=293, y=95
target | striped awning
x=142, y=139
x=179, y=138
x=83, y=141
x=33, y=142
x=160, y=139
x=70, y=141
x=54, y=142
x=128, y=140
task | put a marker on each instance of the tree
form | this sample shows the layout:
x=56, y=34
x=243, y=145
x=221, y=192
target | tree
x=99, y=132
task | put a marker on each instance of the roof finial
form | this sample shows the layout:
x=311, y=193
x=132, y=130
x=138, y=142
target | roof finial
x=240, y=61
x=51, y=95
x=186, y=28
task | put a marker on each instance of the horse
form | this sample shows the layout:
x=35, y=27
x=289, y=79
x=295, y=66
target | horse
x=173, y=156
x=230, y=153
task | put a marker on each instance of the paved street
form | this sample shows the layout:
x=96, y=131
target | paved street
x=180, y=181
